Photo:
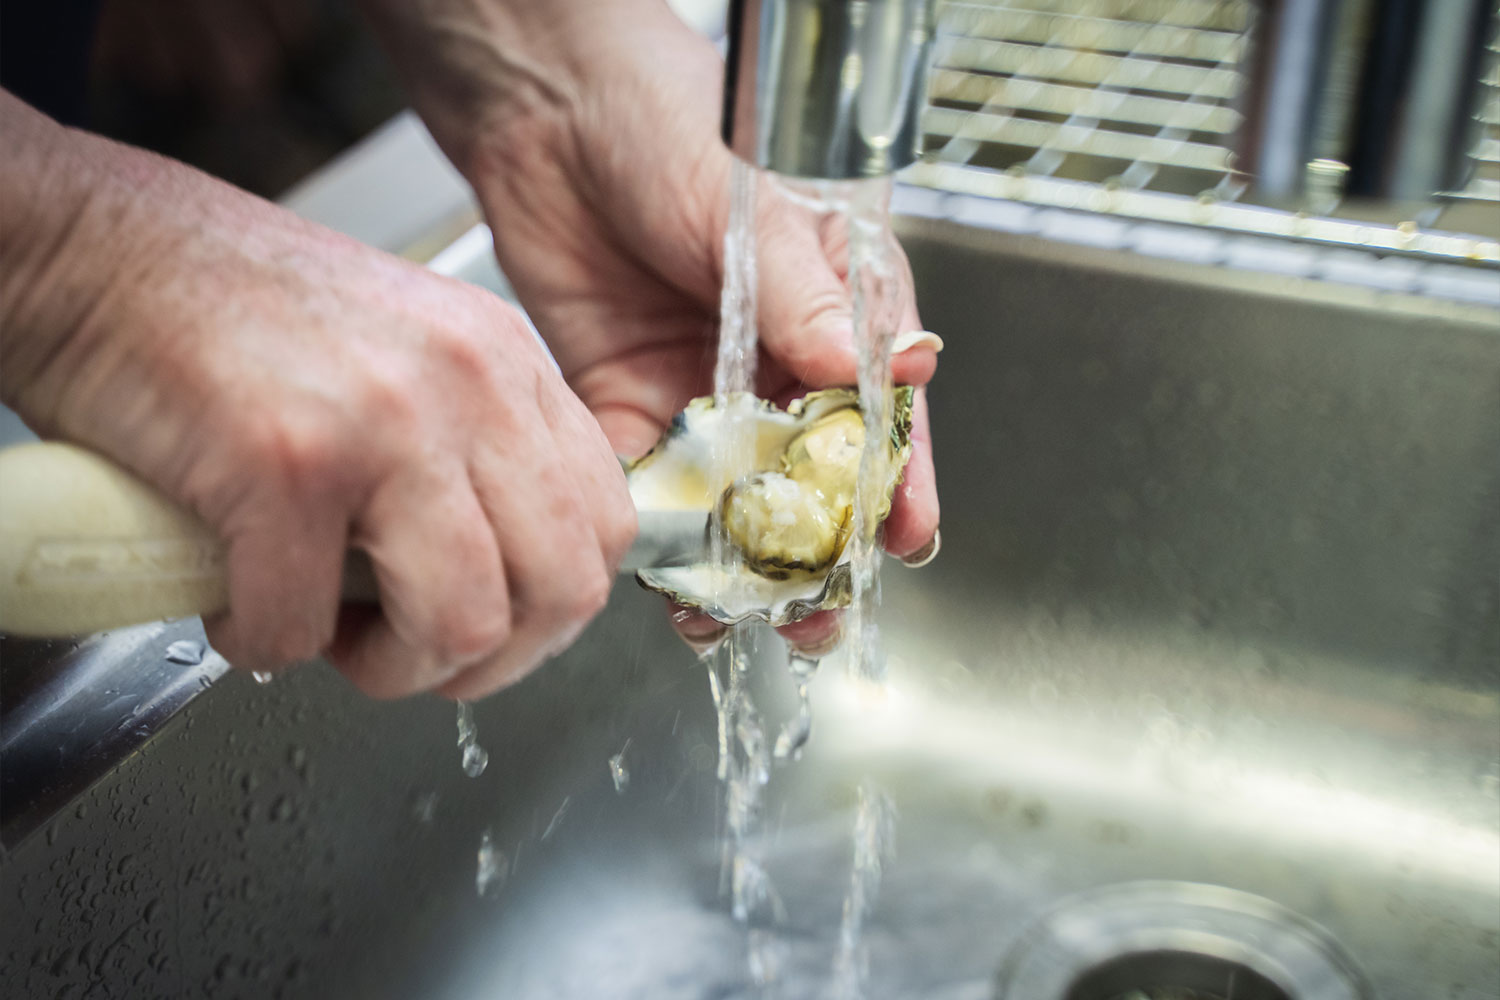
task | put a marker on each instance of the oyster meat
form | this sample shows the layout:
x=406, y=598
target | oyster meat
x=788, y=517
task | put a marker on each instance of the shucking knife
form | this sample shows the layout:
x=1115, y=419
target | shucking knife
x=86, y=546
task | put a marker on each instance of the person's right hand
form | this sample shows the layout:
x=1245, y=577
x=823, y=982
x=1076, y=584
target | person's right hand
x=304, y=394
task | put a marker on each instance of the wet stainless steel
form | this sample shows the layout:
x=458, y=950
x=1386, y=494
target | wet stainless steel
x=1217, y=603
x=832, y=89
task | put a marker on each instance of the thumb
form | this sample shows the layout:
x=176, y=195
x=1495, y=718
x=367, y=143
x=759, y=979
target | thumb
x=805, y=311
x=806, y=308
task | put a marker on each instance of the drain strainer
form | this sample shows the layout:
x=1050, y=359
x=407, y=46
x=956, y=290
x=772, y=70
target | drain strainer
x=1177, y=941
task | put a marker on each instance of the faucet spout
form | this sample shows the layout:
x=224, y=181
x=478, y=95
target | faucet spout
x=829, y=89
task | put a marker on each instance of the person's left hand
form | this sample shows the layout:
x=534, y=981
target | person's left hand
x=605, y=181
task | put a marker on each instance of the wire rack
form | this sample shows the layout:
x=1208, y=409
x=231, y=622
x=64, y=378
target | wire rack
x=1132, y=107
x=1484, y=159
x=1136, y=93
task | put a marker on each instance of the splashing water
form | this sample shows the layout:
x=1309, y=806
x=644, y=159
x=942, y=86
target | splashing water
x=734, y=370
x=874, y=849
x=492, y=869
x=745, y=755
x=877, y=315
x=473, y=756
x=618, y=772
x=557, y=818
x=796, y=731
x=744, y=768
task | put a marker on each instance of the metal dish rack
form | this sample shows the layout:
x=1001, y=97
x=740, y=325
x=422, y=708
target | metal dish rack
x=1135, y=108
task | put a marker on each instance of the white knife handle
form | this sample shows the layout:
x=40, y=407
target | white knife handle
x=85, y=546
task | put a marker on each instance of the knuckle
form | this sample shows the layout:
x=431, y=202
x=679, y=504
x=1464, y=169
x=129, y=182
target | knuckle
x=464, y=352
x=619, y=532
x=297, y=455
x=588, y=597
x=464, y=635
x=389, y=398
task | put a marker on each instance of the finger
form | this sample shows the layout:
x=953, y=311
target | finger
x=443, y=593
x=917, y=364
x=698, y=630
x=816, y=635
x=804, y=309
x=601, y=482
x=594, y=466
x=914, y=510
x=283, y=588
x=557, y=567
x=634, y=398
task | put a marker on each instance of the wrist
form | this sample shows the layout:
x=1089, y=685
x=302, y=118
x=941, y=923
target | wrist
x=86, y=224
x=503, y=81
x=51, y=270
x=473, y=68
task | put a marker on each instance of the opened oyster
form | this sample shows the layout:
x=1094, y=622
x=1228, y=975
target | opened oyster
x=788, y=518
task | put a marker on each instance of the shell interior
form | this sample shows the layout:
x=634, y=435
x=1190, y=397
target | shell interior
x=681, y=473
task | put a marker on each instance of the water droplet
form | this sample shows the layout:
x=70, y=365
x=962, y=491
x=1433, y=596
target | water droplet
x=874, y=849
x=493, y=867
x=475, y=760
x=188, y=652
x=557, y=817
x=467, y=731
x=751, y=890
x=767, y=956
x=423, y=806
x=793, y=736
x=618, y=772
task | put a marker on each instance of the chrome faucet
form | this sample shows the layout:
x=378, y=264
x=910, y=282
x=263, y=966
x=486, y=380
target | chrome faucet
x=829, y=89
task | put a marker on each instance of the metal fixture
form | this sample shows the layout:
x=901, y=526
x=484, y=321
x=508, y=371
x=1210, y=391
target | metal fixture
x=1137, y=937
x=826, y=89
x=1139, y=96
x=1366, y=99
x=1323, y=121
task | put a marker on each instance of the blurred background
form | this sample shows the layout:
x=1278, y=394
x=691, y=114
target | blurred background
x=1384, y=111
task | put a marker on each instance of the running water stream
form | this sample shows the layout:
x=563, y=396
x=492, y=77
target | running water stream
x=745, y=757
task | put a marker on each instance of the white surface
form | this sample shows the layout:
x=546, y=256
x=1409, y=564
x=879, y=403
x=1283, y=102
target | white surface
x=388, y=190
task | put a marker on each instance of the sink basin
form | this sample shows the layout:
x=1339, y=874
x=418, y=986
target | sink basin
x=1217, y=607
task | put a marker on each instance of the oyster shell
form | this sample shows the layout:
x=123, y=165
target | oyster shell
x=789, y=515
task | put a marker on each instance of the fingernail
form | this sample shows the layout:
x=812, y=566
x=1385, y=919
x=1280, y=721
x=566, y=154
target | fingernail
x=926, y=553
x=705, y=642
x=912, y=339
x=821, y=648
x=697, y=629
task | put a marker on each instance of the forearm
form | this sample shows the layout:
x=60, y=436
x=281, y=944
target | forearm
x=75, y=225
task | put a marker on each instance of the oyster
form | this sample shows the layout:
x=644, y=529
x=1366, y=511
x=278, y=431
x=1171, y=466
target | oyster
x=788, y=516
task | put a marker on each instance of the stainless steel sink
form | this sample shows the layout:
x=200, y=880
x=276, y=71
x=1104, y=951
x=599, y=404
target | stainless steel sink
x=1218, y=606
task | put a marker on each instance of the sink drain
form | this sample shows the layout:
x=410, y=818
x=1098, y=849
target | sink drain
x=1174, y=975
x=1177, y=941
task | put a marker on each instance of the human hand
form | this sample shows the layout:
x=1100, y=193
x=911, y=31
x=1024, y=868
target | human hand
x=591, y=135
x=303, y=394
